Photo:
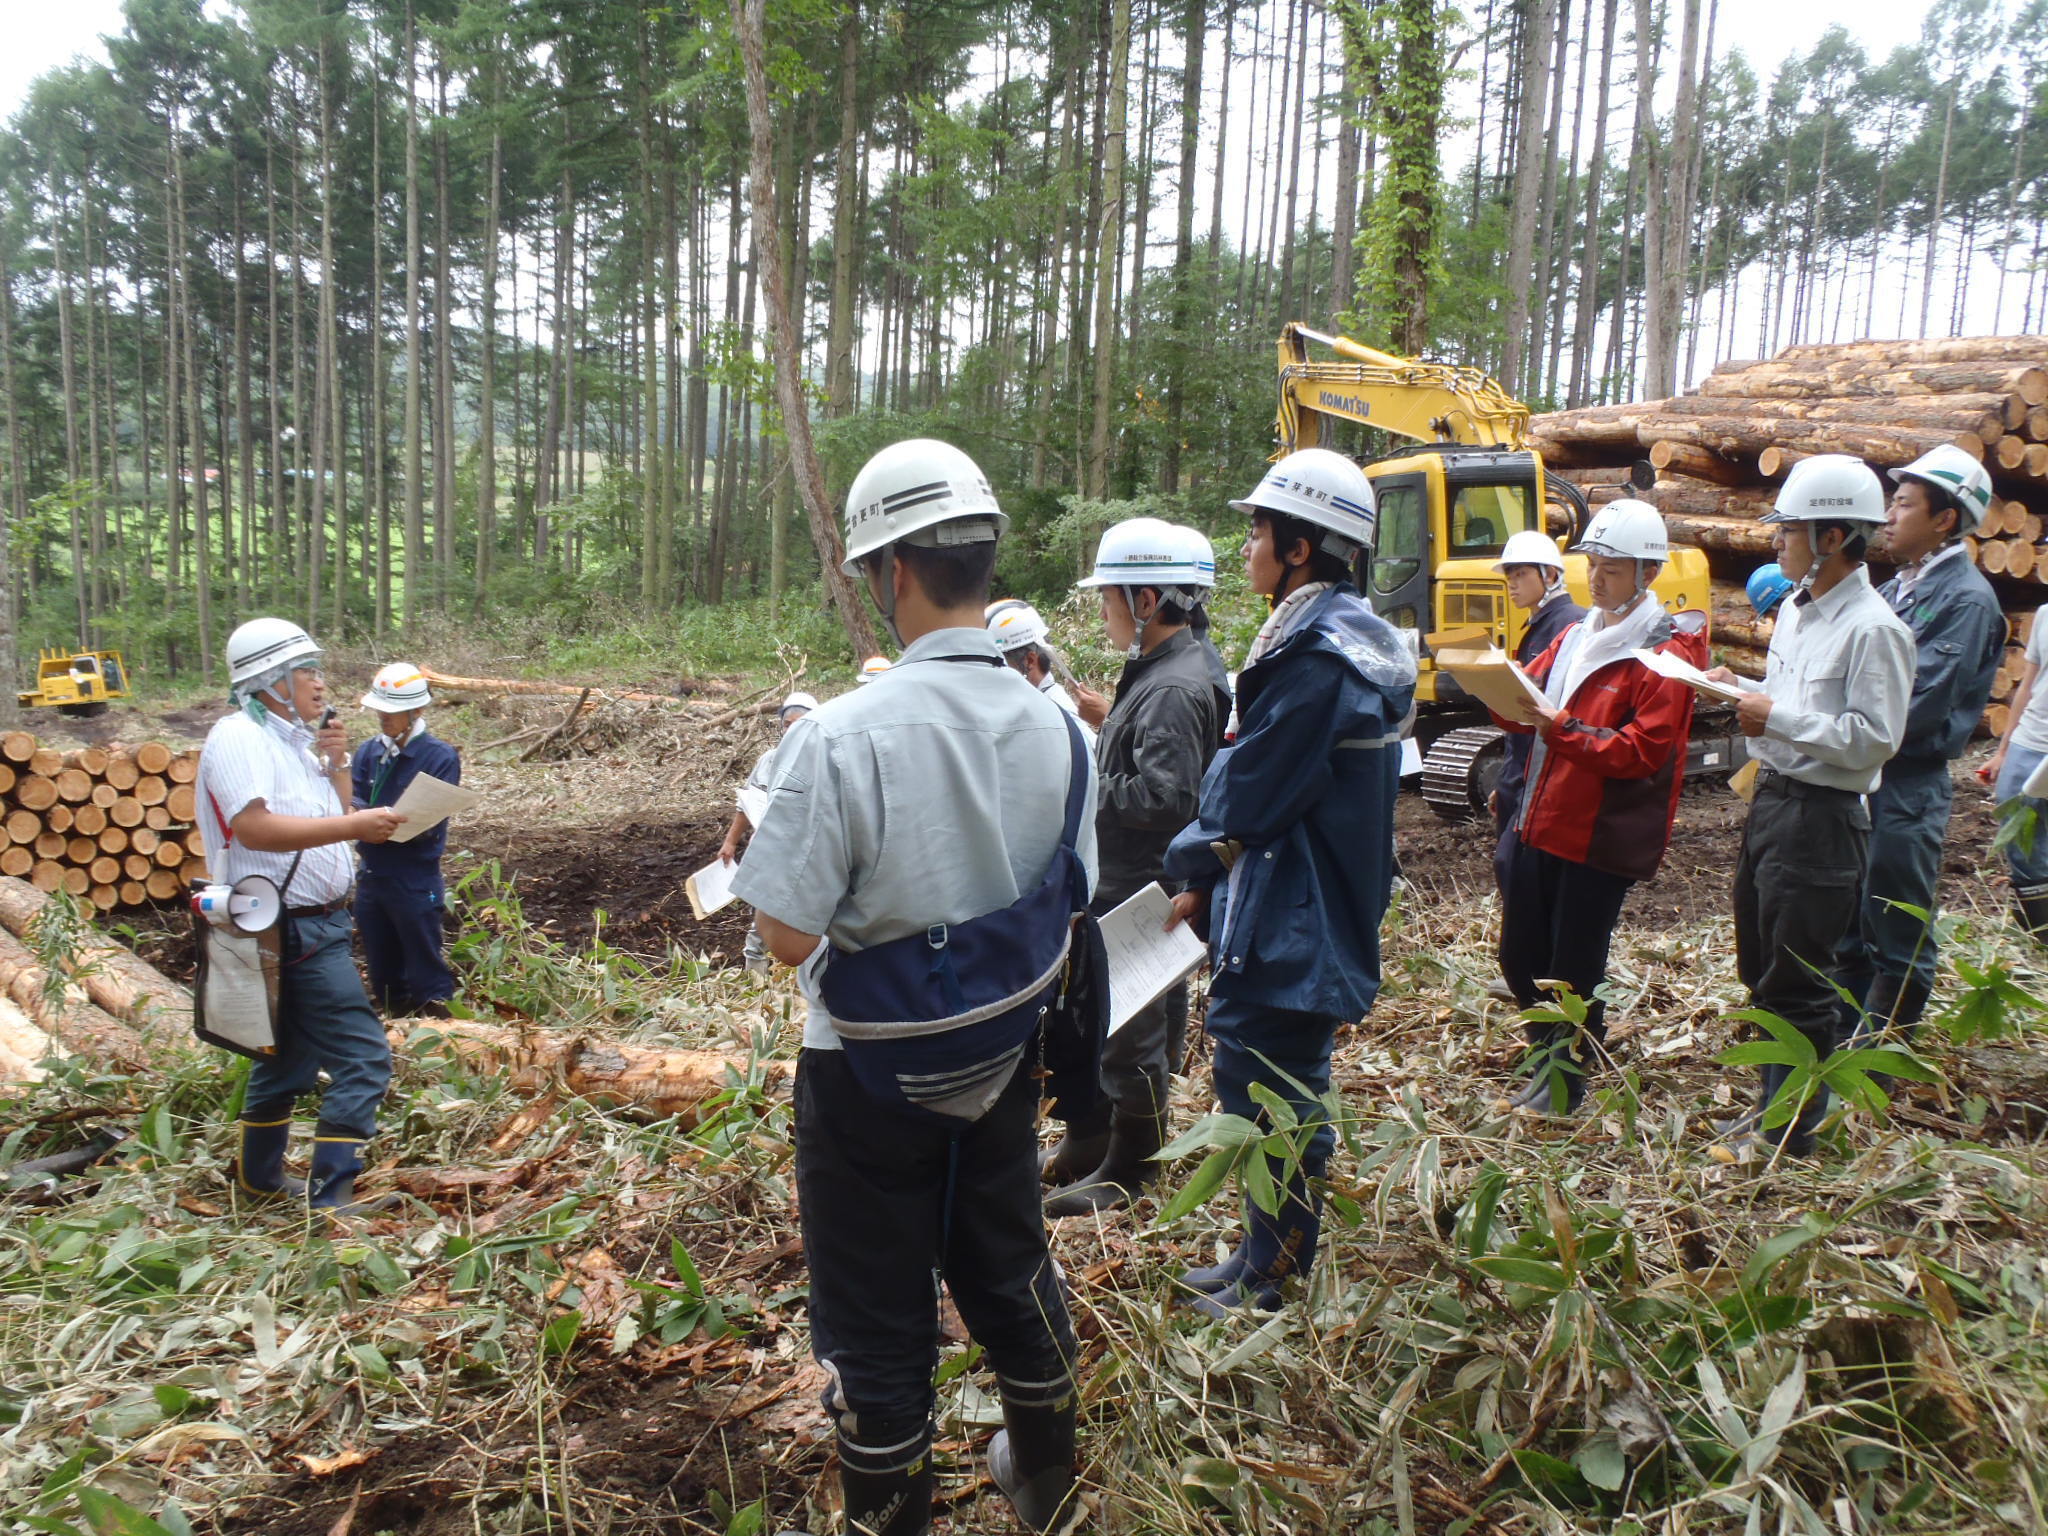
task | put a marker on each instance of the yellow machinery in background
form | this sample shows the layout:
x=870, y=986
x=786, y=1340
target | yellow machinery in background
x=1447, y=503
x=76, y=682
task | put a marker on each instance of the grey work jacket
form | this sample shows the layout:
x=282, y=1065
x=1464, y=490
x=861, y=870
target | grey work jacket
x=1166, y=724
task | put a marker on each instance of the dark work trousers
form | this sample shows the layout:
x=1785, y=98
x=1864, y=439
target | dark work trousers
x=1257, y=1044
x=1134, y=1059
x=1556, y=925
x=1908, y=823
x=324, y=1023
x=888, y=1203
x=1796, y=884
x=399, y=917
x=1504, y=845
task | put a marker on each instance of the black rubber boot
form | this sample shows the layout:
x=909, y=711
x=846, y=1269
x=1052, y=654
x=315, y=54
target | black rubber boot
x=1744, y=1139
x=2033, y=902
x=259, y=1161
x=1276, y=1247
x=1125, y=1171
x=1032, y=1461
x=1081, y=1148
x=1557, y=1079
x=887, y=1488
x=337, y=1160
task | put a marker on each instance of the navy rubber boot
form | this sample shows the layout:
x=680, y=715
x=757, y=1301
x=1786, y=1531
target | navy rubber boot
x=887, y=1488
x=259, y=1162
x=1276, y=1247
x=337, y=1161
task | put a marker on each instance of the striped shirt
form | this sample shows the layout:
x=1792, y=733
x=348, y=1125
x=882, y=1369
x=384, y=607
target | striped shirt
x=243, y=762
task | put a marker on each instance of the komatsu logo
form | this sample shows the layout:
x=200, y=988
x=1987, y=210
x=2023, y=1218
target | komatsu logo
x=1350, y=405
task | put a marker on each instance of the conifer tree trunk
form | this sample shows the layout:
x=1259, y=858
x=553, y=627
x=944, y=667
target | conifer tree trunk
x=839, y=369
x=1193, y=39
x=487, y=371
x=1529, y=169
x=415, y=532
x=1107, y=236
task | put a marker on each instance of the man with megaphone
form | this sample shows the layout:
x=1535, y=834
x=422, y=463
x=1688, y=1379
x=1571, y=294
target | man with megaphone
x=274, y=784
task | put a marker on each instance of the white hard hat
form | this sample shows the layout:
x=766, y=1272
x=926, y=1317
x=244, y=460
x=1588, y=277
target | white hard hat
x=264, y=645
x=919, y=491
x=801, y=702
x=1000, y=604
x=1323, y=487
x=1201, y=555
x=1145, y=552
x=1018, y=625
x=1529, y=548
x=1627, y=529
x=1828, y=488
x=1955, y=474
x=397, y=688
x=872, y=668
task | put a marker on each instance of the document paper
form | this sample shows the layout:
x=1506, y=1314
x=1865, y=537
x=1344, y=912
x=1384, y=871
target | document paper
x=427, y=802
x=1144, y=958
x=1493, y=678
x=1680, y=670
x=753, y=804
x=710, y=889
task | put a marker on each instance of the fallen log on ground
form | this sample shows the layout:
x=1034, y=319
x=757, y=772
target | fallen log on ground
x=662, y=1081
x=117, y=979
x=74, y=1020
x=545, y=690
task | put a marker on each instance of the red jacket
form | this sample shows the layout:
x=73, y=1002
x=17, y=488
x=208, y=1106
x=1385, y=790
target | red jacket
x=1604, y=788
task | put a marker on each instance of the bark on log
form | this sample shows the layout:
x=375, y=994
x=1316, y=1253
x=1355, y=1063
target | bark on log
x=1613, y=427
x=76, y=1021
x=1701, y=464
x=1735, y=535
x=118, y=979
x=659, y=1080
x=1982, y=414
x=1749, y=436
x=1940, y=349
x=541, y=690
x=1797, y=380
x=92, y=760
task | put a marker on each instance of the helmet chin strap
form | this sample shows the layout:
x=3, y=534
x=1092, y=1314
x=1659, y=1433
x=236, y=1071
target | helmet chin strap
x=884, y=592
x=1136, y=648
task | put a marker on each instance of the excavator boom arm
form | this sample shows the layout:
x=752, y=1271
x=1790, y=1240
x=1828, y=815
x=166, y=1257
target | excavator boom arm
x=1429, y=402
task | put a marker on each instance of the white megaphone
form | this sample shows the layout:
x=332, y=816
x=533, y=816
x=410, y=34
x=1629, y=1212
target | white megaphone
x=252, y=904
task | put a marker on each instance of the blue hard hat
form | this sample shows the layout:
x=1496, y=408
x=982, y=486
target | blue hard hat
x=1767, y=588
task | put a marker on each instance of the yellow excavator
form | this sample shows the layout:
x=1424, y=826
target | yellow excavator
x=76, y=682
x=1448, y=500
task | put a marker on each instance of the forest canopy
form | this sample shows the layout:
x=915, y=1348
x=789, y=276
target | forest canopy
x=367, y=312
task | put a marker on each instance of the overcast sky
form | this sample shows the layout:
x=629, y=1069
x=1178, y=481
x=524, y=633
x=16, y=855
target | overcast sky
x=41, y=36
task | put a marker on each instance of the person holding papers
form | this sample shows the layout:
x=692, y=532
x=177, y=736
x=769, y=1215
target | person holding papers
x=753, y=799
x=399, y=891
x=1156, y=743
x=1603, y=781
x=1290, y=861
x=1830, y=714
x=271, y=780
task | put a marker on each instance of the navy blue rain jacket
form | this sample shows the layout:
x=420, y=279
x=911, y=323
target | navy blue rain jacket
x=1308, y=789
x=378, y=776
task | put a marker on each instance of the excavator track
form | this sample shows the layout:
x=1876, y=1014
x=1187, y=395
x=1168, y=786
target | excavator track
x=1460, y=771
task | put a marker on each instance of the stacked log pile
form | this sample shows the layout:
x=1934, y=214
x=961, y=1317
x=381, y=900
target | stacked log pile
x=1718, y=455
x=114, y=826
